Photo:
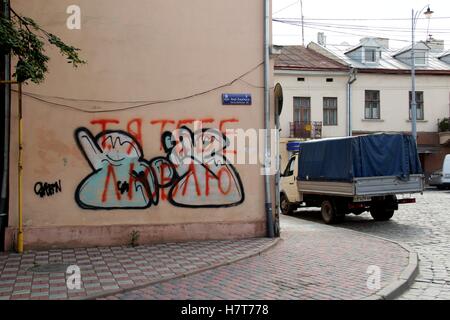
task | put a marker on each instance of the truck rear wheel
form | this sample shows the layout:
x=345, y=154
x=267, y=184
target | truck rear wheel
x=383, y=209
x=381, y=214
x=329, y=212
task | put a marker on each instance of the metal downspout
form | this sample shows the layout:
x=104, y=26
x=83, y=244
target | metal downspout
x=352, y=78
x=20, y=169
x=267, y=151
x=7, y=106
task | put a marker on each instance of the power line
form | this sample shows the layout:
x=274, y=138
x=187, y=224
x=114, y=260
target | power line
x=385, y=28
x=355, y=26
x=367, y=19
x=288, y=6
x=336, y=31
x=367, y=32
x=44, y=99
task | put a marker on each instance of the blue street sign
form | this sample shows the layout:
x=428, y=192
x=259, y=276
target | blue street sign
x=236, y=99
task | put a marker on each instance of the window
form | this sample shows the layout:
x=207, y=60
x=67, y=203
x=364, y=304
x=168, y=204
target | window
x=372, y=104
x=330, y=80
x=289, y=171
x=419, y=104
x=420, y=58
x=370, y=55
x=302, y=109
x=301, y=79
x=330, y=111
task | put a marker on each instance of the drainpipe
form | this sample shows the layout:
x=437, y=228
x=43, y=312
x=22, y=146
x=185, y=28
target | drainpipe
x=267, y=151
x=6, y=103
x=351, y=78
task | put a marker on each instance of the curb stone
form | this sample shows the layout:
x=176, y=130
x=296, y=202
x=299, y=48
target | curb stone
x=394, y=289
x=153, y=282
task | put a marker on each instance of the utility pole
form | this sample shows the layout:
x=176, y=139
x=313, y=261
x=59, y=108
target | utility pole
x=414, y=19
x=413, y=82
x=303, y=24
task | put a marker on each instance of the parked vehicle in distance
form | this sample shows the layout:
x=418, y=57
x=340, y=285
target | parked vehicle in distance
x=441, y=178
x=372, y=173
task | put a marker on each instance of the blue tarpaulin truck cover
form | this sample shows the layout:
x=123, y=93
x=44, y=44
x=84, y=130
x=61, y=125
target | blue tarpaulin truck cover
x=343, y=159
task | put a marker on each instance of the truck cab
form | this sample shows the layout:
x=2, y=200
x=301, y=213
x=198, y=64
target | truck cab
x=289, y=195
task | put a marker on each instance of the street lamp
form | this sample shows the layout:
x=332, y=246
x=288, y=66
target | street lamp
x=415, y=17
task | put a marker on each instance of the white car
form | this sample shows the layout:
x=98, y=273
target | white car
x=441, y=178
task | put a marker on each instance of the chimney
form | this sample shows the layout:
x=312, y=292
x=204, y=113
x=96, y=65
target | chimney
x=435, y=44
x=322, y=39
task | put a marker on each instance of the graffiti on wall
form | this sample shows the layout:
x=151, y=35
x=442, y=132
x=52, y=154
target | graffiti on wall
x=193, y=170
x=204, y=176
x=121, y=177
x=44, y=189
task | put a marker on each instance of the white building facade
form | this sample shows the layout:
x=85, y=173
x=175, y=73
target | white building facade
x=372, y=93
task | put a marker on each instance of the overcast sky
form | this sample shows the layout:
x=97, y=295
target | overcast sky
x=349, y=29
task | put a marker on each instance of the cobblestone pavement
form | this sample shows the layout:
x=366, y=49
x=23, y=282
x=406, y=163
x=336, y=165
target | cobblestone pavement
x=312, y=261
x=107, y=269
x=425, y=227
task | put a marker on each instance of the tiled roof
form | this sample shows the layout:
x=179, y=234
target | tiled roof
x=299, y=57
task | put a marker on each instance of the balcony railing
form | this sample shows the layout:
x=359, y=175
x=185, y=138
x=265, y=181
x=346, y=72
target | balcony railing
x=306, y=130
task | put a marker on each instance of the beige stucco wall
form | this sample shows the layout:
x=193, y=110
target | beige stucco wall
x=315, y=87
x=138, y=51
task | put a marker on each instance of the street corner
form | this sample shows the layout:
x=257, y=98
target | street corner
x=88, y=273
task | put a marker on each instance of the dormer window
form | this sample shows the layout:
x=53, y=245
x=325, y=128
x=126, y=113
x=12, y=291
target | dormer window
x=367, y=52
x=445, y=57
x=371, y=55
x=420, y=55
x=420, y=58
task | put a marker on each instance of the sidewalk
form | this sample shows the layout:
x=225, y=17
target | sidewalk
x=112, y=269
x=310, y=261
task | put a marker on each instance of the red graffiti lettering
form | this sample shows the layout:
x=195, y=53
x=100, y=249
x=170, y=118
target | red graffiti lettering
x=136, y=132
x=104, y=124
x=192, y=173
x=219, y=175
x=207, y=120
x=184, y=121
x=111, y=172
x=223, y=122
x=221, y=128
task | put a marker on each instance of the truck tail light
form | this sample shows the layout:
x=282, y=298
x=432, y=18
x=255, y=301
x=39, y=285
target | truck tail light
x=408, y=200
x=354, y=205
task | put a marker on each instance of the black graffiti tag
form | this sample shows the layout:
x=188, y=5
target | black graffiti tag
x=43, y=189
